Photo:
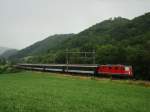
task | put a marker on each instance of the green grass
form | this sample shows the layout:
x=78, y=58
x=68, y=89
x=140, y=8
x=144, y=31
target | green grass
x=45, y=92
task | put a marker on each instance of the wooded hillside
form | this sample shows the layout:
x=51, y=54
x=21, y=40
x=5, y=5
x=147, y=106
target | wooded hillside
x=116, y=41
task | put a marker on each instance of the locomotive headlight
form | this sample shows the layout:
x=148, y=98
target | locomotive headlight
x=127, y=68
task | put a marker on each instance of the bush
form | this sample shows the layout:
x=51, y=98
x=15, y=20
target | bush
x=8, y=69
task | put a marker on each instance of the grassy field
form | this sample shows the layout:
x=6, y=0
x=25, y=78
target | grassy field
x=45, y=92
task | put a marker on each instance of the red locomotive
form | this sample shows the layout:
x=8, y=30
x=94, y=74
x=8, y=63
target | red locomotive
x=120, y=70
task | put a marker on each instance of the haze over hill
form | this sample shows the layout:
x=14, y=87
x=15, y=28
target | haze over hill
x=2, y=50
x=7, y=52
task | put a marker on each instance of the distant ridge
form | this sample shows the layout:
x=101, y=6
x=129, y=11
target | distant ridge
x=42, y=47
x=3, y=50
x=9, y=52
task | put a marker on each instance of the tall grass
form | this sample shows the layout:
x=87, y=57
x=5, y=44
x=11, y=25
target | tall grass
x=44, y=92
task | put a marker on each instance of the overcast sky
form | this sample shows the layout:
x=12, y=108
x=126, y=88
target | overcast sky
x=23, y=22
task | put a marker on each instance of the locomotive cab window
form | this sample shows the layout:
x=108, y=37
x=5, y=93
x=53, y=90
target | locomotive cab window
x=123, y=68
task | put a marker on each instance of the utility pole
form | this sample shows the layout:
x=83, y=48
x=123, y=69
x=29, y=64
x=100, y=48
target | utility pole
x=67, y=58
x=93, y=56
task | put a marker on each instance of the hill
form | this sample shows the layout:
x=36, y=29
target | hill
x=116, y=41
x=8, y=53
x=42, y=47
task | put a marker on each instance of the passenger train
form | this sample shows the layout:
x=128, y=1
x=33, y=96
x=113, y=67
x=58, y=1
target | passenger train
x=95, y=70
